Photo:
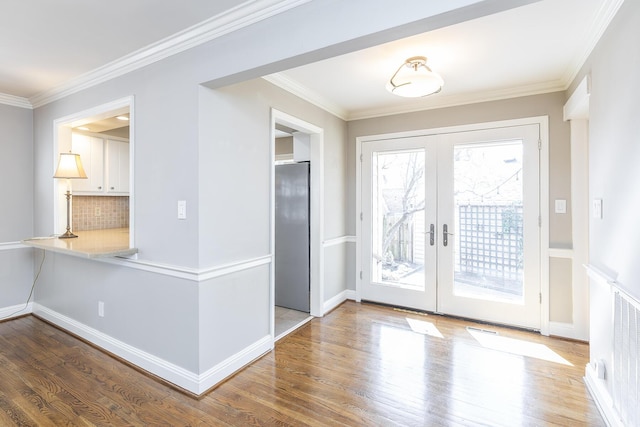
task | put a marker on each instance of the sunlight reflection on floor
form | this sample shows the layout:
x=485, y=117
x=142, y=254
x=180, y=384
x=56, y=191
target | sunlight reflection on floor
x=519, y=347
x=424, y=328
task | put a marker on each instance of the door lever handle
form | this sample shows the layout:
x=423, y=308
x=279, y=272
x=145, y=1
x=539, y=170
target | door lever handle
x=432, y=234
x=445, y=235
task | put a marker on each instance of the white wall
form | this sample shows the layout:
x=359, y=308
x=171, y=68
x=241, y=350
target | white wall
x=16, y=215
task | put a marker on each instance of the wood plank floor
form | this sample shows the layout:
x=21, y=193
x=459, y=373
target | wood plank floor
x=361, y=365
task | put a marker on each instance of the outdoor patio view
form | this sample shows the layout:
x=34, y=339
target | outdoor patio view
x=488, y=197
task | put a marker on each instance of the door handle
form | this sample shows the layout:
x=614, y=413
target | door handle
x=432, y=234
x=445, y=235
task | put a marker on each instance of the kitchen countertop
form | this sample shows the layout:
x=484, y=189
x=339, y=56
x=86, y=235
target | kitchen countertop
x=109, y=242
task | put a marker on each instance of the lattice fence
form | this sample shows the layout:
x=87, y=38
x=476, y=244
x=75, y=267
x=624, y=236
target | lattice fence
x=490, y=243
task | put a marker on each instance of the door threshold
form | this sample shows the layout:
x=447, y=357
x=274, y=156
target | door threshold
x=293, y=328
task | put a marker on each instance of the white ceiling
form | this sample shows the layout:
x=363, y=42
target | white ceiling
x=532, y=49
x=44, y=43
x=537, y=48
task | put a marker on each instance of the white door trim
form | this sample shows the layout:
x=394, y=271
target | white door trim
x=317, y=209
x=543, y=122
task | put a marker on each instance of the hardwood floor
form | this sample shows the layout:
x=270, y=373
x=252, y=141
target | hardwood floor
x=361, y=365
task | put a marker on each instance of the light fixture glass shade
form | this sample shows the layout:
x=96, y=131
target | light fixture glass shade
x=414, y=79
x=70, y=167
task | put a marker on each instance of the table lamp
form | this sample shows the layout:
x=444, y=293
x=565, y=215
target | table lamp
x=69, y=167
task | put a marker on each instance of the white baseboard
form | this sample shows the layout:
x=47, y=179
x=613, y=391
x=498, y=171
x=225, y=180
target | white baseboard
x=15, y=311
x=232, y=364
x=601, y=396
x=566, y=330
x=170, y=372
x=335, y=301
x=351, y=295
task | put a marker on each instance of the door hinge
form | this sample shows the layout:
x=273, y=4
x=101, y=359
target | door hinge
x=361, y=158
x=539, y=144
x=361, y=275
x=539, y=220
x=361, y=216
x=540, y=297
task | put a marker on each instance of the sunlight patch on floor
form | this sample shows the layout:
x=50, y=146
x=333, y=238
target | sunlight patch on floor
x=424, y=328
x=516, y=346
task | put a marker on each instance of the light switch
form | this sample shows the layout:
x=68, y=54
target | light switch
x=182, y=209
x=597, y=208
x=561, y=206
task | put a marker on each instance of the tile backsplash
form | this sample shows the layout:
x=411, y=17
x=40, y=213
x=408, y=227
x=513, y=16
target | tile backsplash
x=99, y=212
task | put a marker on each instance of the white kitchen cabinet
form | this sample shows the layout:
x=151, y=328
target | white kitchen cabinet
x=91, y=150
x=117, y=154
x=106, y=163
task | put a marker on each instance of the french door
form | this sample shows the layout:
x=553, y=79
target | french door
x=450, y=224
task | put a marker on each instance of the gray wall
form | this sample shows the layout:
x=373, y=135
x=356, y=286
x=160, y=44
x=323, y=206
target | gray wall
x=185, y=150
x=614, y=148
x=235, y=141
x=614, y=153
x=16, y=215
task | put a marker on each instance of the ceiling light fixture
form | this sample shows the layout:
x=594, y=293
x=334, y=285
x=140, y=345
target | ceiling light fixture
x=414, y=79
x=123, y=118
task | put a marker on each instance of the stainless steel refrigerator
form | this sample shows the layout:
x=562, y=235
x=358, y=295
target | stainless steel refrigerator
x=292, y=263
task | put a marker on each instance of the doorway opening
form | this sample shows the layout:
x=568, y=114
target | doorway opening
x=296, y=223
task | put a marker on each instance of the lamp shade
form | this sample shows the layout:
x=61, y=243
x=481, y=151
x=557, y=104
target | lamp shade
x=414, y=79
x=70, y=167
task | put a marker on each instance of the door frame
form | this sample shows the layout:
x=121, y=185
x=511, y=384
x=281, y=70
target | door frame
x=316, y=200
x=543, y=143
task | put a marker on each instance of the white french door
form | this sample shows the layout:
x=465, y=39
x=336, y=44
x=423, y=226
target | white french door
x=450, y=224
x=399, y=211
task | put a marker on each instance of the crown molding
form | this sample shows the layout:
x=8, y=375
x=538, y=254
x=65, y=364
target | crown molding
x=603, y=18
x=444, y=101
x=15, y=101
x=232, y=20
x=306, y=94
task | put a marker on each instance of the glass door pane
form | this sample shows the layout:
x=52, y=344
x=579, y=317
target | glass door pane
x=488, y=203
x=398, y=222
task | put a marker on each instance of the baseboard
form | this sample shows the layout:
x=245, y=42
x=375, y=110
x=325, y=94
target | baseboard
x=601, y=397
x=231, y=365
x=13, y=311
x=335, y=301
x=566, y=330
x=351, y=295
x=183, y=378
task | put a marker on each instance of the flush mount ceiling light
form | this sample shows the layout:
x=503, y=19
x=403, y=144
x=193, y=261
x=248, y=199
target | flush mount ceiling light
x=414, y=79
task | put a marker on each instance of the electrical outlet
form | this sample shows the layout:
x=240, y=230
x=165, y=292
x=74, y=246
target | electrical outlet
x=100, y=308
x=98, y=211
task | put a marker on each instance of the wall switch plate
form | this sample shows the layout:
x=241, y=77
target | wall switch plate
x=561, y=206
x=182, y=209
x=597, y=208
x=100, y=308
